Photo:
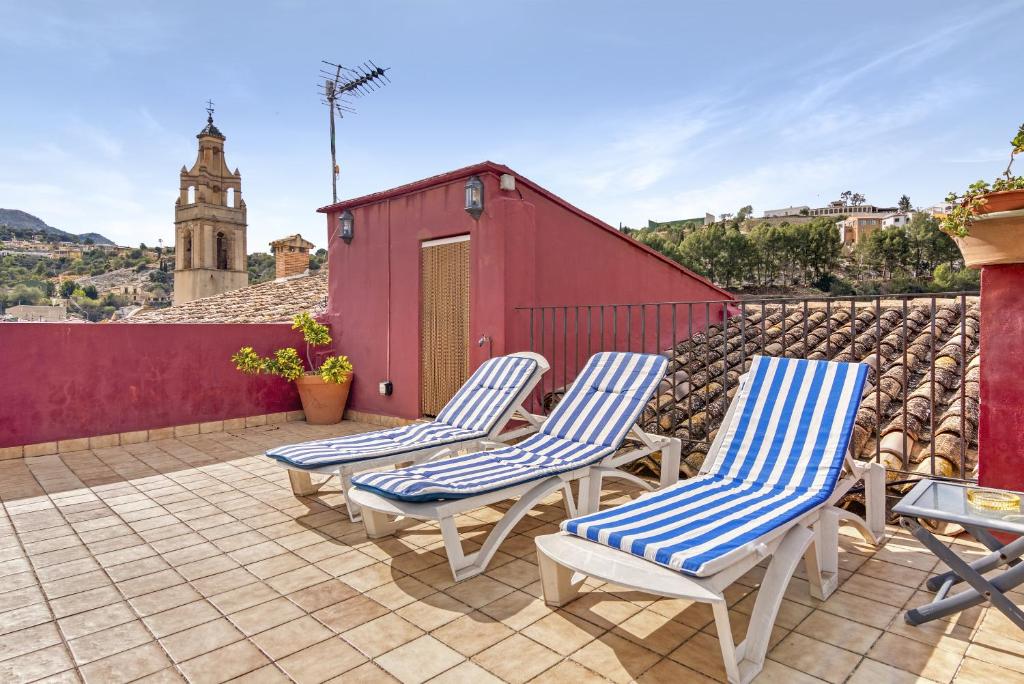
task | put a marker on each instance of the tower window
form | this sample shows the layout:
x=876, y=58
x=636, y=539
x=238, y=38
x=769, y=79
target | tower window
x=222, y=251
x=191, y=194
x=186, y=250
x=230, y=201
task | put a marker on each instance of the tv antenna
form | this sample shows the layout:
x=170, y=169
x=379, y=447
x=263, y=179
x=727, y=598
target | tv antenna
x=340, y=82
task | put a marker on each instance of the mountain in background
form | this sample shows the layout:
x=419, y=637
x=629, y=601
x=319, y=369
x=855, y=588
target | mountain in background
x=23, y=223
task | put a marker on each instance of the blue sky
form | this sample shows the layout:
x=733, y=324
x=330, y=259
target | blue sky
x=631, y=111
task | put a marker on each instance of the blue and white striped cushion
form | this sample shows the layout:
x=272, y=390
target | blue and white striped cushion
x=588, y=424
x=780, y=457
x=488, y=394
x=471, y=414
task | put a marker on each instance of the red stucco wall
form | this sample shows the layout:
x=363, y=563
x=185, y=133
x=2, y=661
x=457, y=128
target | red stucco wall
x=528, y=248
x=1001, y=426
x=64, y=380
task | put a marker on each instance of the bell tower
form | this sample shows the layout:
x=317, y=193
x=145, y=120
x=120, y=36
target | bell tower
x=209, y=223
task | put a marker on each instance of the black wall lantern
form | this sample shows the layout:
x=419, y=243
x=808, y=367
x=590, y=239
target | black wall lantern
x=474, y=197
x=346, y=226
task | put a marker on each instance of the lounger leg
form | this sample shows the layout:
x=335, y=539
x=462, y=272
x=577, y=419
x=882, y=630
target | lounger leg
x=556, y=581
x=589, y=499
x=725, y=641
x=751, y=652
x=302, y=483
x=379, y=524
x=822, y=555
x=874, y=495
x=346, y=486
x=670, y=458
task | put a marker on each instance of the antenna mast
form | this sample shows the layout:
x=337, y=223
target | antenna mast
x=340, y=81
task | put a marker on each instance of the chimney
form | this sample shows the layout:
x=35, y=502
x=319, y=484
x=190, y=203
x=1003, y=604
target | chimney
x=291, y=256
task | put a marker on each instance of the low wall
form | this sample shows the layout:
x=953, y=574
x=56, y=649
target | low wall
x=66, y=380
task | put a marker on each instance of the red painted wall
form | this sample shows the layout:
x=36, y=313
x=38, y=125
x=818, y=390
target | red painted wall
x=1001, y=426
x=528, y=248
x=62, y=381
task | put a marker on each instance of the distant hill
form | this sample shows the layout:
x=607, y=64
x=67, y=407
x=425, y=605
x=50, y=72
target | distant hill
x=23, y=223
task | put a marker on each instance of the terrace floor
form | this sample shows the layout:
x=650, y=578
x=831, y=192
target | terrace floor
x=190, y=559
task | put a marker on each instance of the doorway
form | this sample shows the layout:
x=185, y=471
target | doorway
x=444, y=321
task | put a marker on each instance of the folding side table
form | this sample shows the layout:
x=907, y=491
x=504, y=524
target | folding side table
x=948, y=502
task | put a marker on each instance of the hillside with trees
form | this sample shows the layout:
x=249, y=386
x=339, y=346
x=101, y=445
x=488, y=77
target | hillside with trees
x=761, y=257
x=17, y=224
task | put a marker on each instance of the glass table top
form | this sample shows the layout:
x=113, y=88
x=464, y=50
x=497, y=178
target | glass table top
x=948, y=501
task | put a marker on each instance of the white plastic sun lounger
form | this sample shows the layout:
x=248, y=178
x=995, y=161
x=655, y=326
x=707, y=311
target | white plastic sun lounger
x=578, y=441
x=767, y=489
x=475, y=416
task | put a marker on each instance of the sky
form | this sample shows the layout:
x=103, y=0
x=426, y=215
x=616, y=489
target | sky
x=629, y=110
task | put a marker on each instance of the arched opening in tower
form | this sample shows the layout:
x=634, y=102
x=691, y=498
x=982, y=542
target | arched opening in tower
x=186, y=250
x=222, y=251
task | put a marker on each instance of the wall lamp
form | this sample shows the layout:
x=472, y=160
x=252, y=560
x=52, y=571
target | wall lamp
x=474, y=197
x=346, y=226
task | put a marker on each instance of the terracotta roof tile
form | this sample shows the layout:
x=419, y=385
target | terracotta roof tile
x=270, y=302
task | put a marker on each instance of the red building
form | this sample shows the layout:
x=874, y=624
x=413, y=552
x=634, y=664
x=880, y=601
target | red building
x=424, y=291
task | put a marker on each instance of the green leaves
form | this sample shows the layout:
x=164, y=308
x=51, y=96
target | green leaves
x=287, y=363
x=315, y=334
x=336, y=369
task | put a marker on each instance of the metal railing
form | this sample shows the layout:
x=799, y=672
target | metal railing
x=918, y=415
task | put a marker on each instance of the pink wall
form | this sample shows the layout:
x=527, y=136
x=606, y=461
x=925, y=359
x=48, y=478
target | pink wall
x=62, y=381
x=1001, y=427
x=528, y=248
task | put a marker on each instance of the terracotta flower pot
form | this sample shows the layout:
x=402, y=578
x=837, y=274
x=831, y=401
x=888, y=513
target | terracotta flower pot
x=995, y=238
x=323, y=402
x=1005, y=200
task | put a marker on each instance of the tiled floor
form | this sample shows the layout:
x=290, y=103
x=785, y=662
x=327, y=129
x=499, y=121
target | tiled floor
x=190, y=558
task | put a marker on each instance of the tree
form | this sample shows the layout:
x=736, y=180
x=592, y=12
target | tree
x=91, y=292
x=67, y=287
x=744, y=213
x=703, y=250
x=928, y=245
x=88, y=241
x=857, y=198
x=904, y=204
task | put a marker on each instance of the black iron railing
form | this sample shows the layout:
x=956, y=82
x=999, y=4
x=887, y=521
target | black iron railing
x=919, y=414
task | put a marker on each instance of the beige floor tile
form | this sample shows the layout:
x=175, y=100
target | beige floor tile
x=478, y=591
x=974, y=671
x=670, y=672
x=466, y=672
x=243, y=597
x=27, y=640
x=321, y=595
x=563, y=632
x=177, y=619
x=367, y=673
x=616, y=658
x=653, y=631
x=127, y=665
x=35, y=665
x=381, y=635
x=107, y=642
x=291, y=637
x=268, y=674
x=832, y=629
x=516, y=659
x=999, y=650
x=816, y=658
x=915, y=657
x=265, y=615
x=419, y=660
x=433, y=611
x=567, y=671
x=873, y=672
x=861, y=609
x=224, y=663
x=345, y=615
x=26, y=616
x=95, y=620
x=517, y=610
x=201, y=639
x=472, y=633
x=321, y=661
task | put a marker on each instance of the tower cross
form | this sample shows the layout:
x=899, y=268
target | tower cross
x=209, y=107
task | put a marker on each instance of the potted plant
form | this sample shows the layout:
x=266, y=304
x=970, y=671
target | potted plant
x=979, y=220
x=323, y=388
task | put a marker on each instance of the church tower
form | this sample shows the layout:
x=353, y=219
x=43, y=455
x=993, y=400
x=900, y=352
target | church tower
x=209, y=223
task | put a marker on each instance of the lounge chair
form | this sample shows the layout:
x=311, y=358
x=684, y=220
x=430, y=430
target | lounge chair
x=580, y=440
x=477, y=414
x=767, y=489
